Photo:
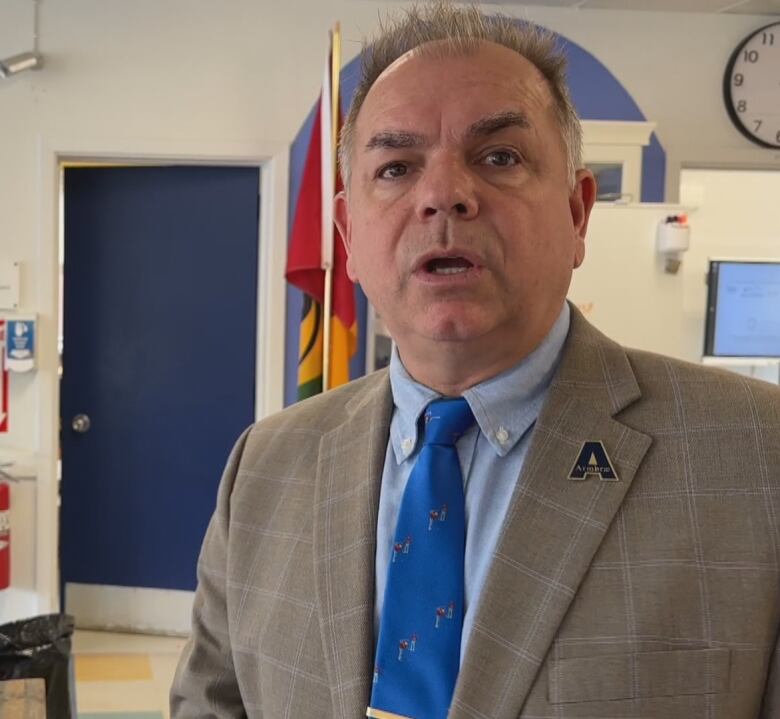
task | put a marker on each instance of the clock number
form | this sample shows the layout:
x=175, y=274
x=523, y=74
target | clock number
x=739, y=78
x=742, y=106
x=758, y=124
x=751, y=56
x=768, y=38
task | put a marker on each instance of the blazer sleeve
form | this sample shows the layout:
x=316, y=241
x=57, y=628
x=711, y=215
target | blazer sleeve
x=205, y=684
x=770, y=707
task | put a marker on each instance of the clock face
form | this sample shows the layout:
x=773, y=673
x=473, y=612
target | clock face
x=751, y=86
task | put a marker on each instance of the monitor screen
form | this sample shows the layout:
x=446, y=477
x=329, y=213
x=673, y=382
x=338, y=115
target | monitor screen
x=743, y=309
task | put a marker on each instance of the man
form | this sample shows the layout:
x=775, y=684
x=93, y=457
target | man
x=617, y=538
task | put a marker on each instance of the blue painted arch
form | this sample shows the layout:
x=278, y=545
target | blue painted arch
x=598, y=95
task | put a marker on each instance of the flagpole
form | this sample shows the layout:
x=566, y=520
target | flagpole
x=329, y=185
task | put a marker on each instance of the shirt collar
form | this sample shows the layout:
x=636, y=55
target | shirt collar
x=505, y=406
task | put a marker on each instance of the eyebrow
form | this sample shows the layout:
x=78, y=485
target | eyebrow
x=400, y=139
x=495, y=123
x=394, y=140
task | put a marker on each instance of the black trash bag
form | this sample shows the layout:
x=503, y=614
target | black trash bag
x=40, y=648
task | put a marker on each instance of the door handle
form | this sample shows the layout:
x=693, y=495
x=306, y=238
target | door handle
x=81, y=423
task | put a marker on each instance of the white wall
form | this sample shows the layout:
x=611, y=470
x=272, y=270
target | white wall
x=622, y=286
x=220, y=71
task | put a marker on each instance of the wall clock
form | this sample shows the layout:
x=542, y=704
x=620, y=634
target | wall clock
x=751, y=86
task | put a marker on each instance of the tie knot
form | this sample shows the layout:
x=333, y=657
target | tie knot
x=446, y=420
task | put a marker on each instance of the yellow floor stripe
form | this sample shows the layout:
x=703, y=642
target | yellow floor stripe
x=112, y=667
x=23, y=698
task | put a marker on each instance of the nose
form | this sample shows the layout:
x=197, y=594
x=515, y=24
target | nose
x=446, y=188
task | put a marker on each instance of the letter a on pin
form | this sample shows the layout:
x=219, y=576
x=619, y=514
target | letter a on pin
x=593, y=460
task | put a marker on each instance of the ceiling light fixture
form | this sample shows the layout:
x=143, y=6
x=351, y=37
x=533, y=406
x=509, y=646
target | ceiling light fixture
x=32, y=60
x=19, y=63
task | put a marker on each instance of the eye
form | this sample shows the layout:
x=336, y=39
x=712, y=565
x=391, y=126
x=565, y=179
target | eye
x=501, y=158
x=392, y=171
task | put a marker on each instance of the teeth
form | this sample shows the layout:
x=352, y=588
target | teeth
x=449, y=270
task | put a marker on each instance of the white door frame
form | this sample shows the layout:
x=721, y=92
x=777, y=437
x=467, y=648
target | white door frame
x=272, y=161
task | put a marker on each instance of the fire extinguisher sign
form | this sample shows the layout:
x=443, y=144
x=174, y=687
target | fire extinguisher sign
x=3, y=381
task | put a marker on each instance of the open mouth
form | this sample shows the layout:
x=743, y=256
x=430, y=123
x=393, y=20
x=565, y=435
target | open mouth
x=448, y=265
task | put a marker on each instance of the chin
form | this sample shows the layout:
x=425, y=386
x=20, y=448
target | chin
x=454, y=329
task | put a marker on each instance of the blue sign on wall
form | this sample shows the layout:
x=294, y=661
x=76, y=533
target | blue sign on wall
x=20, y=345
x=21, y=339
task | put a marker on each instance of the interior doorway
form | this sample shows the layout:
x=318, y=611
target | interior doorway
x=159, y=310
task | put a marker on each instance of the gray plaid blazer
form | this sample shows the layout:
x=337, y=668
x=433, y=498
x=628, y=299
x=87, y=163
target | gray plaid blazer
x=655, y=596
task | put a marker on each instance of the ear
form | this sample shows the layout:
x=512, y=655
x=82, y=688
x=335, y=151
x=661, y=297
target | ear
x=581, y=202
x=343, y=220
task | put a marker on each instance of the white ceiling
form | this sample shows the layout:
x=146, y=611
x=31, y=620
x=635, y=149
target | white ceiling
x=740, y=7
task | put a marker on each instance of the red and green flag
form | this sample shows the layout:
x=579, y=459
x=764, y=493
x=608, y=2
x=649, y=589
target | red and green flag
x=316, y=249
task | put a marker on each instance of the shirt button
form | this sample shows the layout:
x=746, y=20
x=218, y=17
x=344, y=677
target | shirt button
x=407, y=445
x=502, y=436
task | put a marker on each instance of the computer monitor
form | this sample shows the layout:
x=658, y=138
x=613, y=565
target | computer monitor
x=743, y=309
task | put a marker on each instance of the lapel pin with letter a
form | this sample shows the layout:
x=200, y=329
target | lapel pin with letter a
x=593, y=461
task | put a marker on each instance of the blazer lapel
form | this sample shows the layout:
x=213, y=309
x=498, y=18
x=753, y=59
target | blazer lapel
x=554, y=526
x=347, y=496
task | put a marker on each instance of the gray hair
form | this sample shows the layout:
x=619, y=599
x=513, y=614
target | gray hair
x=462, y=29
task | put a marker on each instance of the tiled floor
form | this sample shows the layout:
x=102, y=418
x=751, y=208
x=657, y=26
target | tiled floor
x=124, y=676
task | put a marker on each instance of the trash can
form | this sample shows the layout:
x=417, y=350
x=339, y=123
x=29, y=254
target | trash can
x=39, y=648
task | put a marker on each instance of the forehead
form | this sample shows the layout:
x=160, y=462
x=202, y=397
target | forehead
x=434, y=88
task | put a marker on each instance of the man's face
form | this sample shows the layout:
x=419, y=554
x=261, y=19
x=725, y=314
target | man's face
x=460, y=224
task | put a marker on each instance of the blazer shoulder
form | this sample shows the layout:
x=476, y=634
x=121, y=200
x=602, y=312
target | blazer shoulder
x=705, y=397
x=291, y=438
x=325, y=411
x=649, y=366
x=654, y=371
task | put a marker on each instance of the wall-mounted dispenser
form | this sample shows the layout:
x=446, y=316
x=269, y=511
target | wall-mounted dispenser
x=674, y=238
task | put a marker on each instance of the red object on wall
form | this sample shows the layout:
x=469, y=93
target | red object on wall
x=3, y=399
x=5, y=535
x=3, y=381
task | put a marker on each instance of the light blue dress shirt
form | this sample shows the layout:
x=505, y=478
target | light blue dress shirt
x=491, y=455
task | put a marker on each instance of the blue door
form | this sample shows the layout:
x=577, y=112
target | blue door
x=160, y=299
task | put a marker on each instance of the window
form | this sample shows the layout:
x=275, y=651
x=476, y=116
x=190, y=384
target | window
x=613, y=151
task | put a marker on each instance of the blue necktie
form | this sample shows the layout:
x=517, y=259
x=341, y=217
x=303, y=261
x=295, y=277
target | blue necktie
x=418, y=653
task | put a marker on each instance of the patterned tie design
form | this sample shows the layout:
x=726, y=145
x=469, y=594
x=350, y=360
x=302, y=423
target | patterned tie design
x=418, y=653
